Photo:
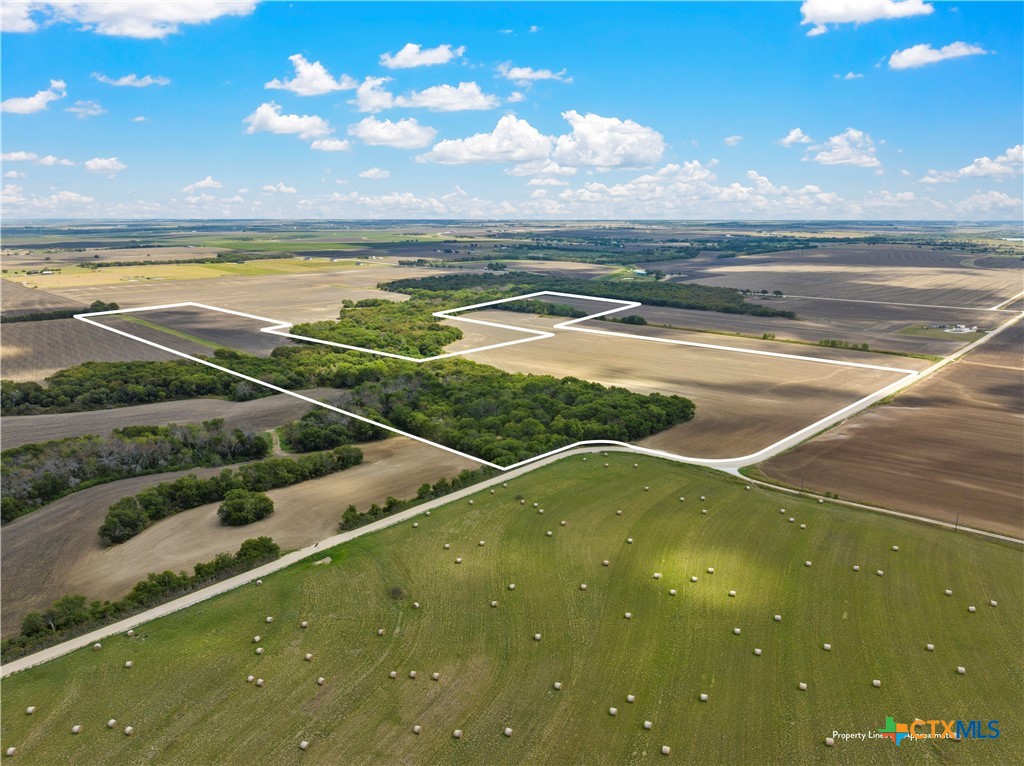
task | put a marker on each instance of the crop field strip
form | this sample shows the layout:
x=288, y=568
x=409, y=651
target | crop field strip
x=492, y=674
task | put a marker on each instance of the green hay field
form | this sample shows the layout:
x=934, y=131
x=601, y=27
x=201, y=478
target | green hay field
x=189, y=702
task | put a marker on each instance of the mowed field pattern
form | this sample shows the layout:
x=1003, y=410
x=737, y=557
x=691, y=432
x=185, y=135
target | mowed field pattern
x=189, y=703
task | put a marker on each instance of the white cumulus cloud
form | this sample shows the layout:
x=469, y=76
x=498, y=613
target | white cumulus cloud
x=795, y=136
x=924, y=54
x=412, y=55
x=448, y=98
x=732, y=140
x=607, y=142
x=375, y=173
x=36, y=103
x=311, y=79
x=268, y=117
x=820, y=13
x=85, y=109
x=279, y=188
x=207, y=183
x=14, y=174
x=404, y=134
x=331, y=145
x=371, y=95
x=851, y=147
x=512, y=140
x=111, y=165
x=131, y=80
x=141, y=20
x=992, y=202
x=849, y=76
x=49, y=161
x=524, y=75
x=1009, y=163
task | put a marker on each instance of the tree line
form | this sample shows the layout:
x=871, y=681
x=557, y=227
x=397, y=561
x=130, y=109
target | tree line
x=72, y=615
x=42, y=316
x=36, y=474
x=131, y=515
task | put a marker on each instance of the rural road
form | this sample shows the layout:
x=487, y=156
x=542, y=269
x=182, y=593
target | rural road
x=731, y=465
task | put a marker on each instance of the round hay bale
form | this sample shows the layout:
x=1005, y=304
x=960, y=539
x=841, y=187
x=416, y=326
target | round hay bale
x=415, y=525
x=879, y=572
x=97, y=647
x=856, y=568
x=613, y=711
x=415, y=604
x=629, y=540
x=129, y=664
x=492, y=491
x=562, y=523
x=447, y=546
x=583, y=586
x=11, y=751
x=427, y=513
x=558, y=686
x=629, y=615
x=131, y=634
x=703, y=698
x=666, y=750
x=630, y=698
x=803, y=526
x=259, y=582
x=269, y=619
x=435, y=676
x=417, y=729
x=511, y=586
x=961, y=669
x=682, y=499
x=260, y=682
x=802, y=687
x=636, y=465
x=930, y=647
x=303, y=624
x=782, y=510
x=550, y=533
x=791, y=519
x=259, y=650
x=747, y=487
x=605, y=563
x=876, y=683
x=393, y=674
x=993, y=603
x=505, y=484
x=30, y=710
x=536, y=636
x=618, y=513
x=820, y=500
x=494, y=604
x=481, y=543
x=672, y=592
x=470, y=502
x=605, y=465
x=255, y=639
x=522, y=502
x=703, y=498
x=732, y=594
x=830, y=742
x=647, y=489
x=76, y=729
x=458, y=559
x=536, y=505
x=584, y=460
x=657, y=575
x=757, y=652
x=896, y=548
x=320, y=681
x=971, y=609
x=948, y=592
x=540, y=510
x=778, y=618
x=693, y=579
x=380, y=631
x=308, y=657
x=507, y=732
x=711, y=570
x=704, y=511
x=457, y=734
x=129, y=730
x=303, y=745
x=412, y=674
x=807, y=563
x=827, y=647
x=736, y=631
x=647, y=725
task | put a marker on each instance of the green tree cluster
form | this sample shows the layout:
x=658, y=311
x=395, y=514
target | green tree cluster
x=241, y=507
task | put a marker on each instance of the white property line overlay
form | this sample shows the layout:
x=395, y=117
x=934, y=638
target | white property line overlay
x=728, y=464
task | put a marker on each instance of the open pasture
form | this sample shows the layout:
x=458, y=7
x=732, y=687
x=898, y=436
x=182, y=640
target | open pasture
x=56, y=550
x=948, y=447
x=187, y=698
x=62, y=259
x=744, y=402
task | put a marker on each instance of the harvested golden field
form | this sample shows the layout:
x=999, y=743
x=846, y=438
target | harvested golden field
x=744, y=402
x=18, y=299
x=56, y=550
x=38, y=258
x=949, y=445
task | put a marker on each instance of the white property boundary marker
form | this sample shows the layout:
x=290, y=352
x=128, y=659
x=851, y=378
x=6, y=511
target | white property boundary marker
x=728, y=464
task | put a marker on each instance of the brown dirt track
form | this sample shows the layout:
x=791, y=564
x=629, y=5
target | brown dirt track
x=744, y=402
x=56, y=550
x=951, y=444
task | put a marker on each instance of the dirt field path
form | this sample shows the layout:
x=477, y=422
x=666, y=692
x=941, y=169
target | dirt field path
x=56, y=550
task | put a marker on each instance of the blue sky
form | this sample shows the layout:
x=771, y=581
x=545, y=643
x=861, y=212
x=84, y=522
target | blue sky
x=854, y=109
